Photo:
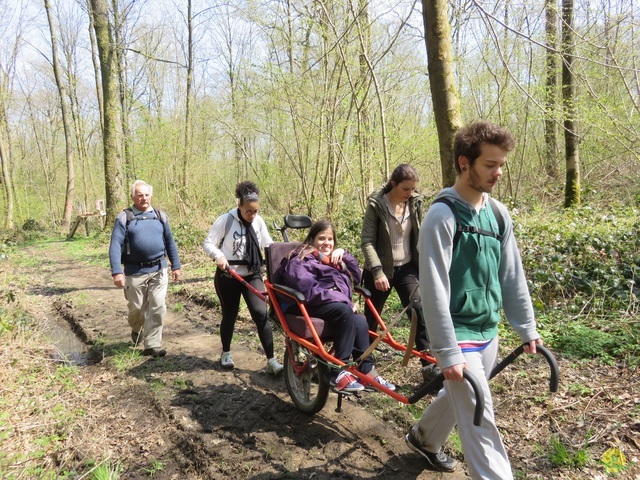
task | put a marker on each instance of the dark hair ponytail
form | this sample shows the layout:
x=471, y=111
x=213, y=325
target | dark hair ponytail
x=402, y=172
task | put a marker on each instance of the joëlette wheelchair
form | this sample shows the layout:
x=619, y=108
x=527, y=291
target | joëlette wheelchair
x=308, y=341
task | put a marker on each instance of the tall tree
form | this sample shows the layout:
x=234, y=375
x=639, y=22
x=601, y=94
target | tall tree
x=572, y=157
x=7, y=182
x=114, y=194
x=66, y=119
x=446, y=105
x=551, y=92
x=188, y=138
x=119, y=35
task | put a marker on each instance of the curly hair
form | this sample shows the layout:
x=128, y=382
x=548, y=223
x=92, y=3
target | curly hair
x=470, y=138
x=247, y=191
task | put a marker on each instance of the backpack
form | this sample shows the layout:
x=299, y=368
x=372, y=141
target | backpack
x=460, y=228
x=130, y=216
x=227, y=227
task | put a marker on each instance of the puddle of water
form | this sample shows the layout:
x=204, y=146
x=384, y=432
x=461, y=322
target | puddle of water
x=69, y=348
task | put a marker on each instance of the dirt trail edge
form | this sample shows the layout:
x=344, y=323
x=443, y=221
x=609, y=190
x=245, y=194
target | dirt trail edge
x=196, y=419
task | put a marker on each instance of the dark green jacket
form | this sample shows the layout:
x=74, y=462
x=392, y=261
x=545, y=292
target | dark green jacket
x=375, y=239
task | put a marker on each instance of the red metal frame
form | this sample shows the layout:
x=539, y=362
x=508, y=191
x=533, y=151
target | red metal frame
x=316, y=346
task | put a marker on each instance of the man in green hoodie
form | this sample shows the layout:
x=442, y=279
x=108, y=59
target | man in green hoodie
x=470, y=268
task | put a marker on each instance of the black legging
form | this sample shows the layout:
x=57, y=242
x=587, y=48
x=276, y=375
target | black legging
x=229, y=290
x=405, y=280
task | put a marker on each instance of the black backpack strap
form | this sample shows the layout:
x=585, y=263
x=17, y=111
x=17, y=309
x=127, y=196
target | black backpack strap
x=460, y=228
x=129, y=216
x=161, y=215
x=227, y=227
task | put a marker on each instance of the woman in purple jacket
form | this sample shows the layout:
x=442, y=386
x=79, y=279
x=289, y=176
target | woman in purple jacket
x=325, y=275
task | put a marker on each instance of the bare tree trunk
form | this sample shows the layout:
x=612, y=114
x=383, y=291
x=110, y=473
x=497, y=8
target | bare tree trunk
x=364, y=116
x=446, y=105
x=182, y=187
x=114, y=195
x=550, y=130
x=6, y=181
x=572, y=158
x=66, y=123
x=125, y=102
x=95, y=59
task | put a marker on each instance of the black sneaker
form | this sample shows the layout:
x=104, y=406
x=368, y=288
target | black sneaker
x=440, y=461
x=137, y=338
x=154, y=352
x=429, y=372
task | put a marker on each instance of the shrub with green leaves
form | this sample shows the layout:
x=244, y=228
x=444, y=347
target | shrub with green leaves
x=584, y=259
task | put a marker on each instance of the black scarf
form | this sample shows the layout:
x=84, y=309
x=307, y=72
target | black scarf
x=253, y=255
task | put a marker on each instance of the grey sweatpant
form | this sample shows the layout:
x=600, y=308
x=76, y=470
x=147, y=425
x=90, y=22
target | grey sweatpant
x=145, y=294
x=484, y=452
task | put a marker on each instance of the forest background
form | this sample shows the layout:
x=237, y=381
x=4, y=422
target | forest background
x=317, y=102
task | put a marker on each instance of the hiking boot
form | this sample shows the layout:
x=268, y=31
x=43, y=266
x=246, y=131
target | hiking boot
x=154, y=352
x=346, y=382
x=274, y=367
x=429, y=372
x=226, y=361
x=137, y=338
x=440, y=461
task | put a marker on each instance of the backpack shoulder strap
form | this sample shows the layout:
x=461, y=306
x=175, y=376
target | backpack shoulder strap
x=227, y=227
x=459, y=227
x=127, y=218
x=161, y=215
x=499, y=218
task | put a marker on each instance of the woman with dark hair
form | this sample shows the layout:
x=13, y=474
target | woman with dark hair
x=236, y=238
x=325, y=275
x=389, y=243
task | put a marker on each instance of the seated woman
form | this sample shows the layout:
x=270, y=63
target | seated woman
x=325, y=275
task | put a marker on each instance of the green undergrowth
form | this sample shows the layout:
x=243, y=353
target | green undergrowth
x=41, y=405
x=582, y=267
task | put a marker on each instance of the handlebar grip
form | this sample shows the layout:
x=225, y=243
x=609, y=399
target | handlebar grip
x=544, y=351
x=437, y=383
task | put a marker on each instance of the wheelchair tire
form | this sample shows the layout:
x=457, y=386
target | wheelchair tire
x=310, y=388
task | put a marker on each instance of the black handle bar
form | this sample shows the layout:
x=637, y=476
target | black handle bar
x=551, y=360
x=436, y=384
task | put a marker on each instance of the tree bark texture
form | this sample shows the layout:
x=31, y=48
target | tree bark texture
x=66, y=121
x=446, y=105
x=550, y=129
x=572, y=157
x=114, y=196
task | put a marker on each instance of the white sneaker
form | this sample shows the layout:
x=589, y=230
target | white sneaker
x=226, y=361
x=384, y=383
x=274, y=367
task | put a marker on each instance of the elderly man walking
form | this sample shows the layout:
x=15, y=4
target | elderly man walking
x=140, y=240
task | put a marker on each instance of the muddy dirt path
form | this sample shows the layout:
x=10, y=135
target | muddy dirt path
x=198, y=420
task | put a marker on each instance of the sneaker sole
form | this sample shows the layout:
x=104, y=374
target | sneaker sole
x=370, y=388
x=433, y=466
x=345, y=392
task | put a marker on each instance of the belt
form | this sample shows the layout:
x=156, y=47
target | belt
x=152, y=263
